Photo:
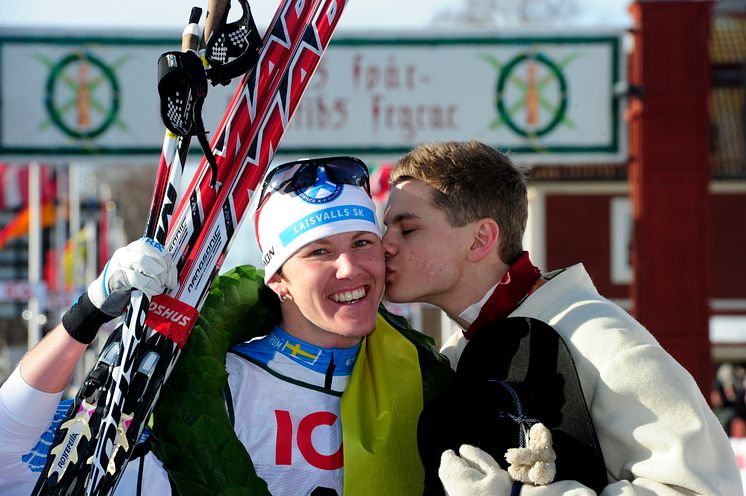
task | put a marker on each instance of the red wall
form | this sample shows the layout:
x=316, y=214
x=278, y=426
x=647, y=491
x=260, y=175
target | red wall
x=578, y=230
x=729, y=246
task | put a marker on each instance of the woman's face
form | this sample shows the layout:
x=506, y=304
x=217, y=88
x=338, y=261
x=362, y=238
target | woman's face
x=333, y=287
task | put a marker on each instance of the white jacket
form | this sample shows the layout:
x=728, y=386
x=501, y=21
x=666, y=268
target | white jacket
x=657, y=432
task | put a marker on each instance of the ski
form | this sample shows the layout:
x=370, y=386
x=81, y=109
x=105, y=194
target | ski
x=71, y=447
x=203, y=259
x=253, y=157
x=64, y=471
x=129, y=402
x=247, y=105
x=255, y=149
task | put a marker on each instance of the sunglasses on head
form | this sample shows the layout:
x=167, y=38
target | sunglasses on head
x=300, y=174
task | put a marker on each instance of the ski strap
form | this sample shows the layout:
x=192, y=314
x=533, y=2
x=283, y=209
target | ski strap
x=171, y=318
x=233, y=48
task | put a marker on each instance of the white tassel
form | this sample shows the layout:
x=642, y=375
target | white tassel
x=533, y=464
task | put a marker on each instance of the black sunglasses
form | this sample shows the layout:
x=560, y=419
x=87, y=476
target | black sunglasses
x=299, y=174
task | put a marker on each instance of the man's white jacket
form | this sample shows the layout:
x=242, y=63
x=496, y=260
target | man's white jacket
x=657, y=432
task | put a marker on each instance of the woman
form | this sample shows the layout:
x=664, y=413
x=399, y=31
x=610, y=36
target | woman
x=321, y=247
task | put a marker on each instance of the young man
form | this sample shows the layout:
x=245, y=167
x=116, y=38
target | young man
x=327, y=368
x=455, y=220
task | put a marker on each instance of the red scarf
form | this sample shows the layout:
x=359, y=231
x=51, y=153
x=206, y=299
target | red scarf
x=515, y=285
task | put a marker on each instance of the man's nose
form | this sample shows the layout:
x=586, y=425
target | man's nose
x=389, y=247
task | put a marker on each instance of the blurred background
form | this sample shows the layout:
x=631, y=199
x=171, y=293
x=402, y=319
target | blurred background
x=629, y=117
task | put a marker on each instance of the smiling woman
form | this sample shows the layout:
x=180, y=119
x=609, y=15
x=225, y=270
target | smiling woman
x=274, y=377
x=321, y=247
x=331, y=289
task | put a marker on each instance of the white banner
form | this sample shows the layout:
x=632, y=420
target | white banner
x=546, y=99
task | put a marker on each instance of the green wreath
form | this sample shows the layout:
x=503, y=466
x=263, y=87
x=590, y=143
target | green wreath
x=194, y=438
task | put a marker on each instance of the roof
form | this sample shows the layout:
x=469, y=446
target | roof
x=728, y=40
x=727, y=108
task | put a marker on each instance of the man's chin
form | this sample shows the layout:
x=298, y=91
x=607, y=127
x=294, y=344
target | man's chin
x=394, y=297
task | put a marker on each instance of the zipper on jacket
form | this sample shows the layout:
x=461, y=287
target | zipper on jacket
x=329, y=373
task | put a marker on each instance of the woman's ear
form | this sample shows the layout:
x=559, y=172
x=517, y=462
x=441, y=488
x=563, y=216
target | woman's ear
x=486, y=234
x=277, y=285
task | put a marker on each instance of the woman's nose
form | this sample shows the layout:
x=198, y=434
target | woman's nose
x=346, y=265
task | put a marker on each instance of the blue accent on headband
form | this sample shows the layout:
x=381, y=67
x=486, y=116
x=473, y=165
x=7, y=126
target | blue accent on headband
x=337, y=213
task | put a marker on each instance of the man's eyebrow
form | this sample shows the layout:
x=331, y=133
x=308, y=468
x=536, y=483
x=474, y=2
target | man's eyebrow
x=401, y=217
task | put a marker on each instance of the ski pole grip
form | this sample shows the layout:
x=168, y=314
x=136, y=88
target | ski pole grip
x=217, y=11
x=190, y=36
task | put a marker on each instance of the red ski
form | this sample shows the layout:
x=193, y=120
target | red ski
x=204, y=223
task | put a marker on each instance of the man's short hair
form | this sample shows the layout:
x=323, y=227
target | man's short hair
x=472, y=181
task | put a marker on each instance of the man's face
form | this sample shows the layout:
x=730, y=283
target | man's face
x=425, y=254
x=334, y=287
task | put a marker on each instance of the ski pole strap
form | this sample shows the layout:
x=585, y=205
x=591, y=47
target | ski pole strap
x=199, y=130
x=232, y=49
x=181, y=85
x=83, y=320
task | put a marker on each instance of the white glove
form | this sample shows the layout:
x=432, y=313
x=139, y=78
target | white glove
x=560, y=488
x=475, y=473
x=143, y=264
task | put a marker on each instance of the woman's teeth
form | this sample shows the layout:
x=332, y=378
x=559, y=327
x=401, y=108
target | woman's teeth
x=349, y=296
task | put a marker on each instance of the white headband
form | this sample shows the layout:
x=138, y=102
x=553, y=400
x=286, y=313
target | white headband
x=286, y=222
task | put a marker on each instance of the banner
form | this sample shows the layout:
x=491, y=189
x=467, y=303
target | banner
x=543, y=97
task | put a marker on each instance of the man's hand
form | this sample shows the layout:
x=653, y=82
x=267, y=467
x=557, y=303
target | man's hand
x=474, y=473
x=143, y=264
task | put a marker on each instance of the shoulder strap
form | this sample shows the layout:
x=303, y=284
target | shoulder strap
x=532, y=357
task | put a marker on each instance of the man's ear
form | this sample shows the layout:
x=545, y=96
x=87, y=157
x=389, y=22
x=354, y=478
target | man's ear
x=486, y=234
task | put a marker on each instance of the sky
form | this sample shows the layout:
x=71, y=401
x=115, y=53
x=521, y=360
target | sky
x=359, y=14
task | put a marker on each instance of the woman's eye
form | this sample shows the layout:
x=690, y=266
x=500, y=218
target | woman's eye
x=317, y=253
x=361, y=242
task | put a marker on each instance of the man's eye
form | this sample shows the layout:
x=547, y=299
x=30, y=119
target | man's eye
x=317, y=253
x=361, y=242
x=407, y=231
